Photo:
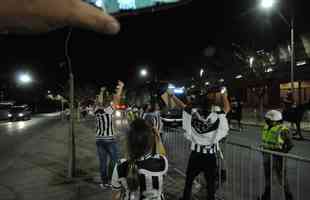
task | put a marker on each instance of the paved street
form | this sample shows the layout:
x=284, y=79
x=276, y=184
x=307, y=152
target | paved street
x=13, y=135
x=34, y=159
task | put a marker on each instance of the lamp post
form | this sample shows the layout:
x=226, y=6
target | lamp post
x=153, y=82
x=71, y=135
x=267, y=5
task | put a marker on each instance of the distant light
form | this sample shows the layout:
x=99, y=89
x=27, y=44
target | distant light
x=267, y=4
x=143, y=72
x=48, y=92
x=170, y=86
x=251, y=61
x=269, y=70
x=221, y=80
x=201, y=72
x=127, y=5
x=24, y=78
x=118, y=122
x=10, y=115
x=239, y=76
x=207, y=83
x=99, y=3
x=20, y=114
x=193, y=86
x=301, y=63
x=118, y=113
x=178, y=90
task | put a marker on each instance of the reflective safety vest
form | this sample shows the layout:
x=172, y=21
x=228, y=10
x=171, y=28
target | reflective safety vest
x=272, y=138
x=132, y=116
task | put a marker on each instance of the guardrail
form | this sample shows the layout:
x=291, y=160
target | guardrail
x=246, y=169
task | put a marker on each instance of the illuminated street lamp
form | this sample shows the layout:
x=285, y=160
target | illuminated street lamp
x=24, y=78
x=143, y=72
x=267, y=5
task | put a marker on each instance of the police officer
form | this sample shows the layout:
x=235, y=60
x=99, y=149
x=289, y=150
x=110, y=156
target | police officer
x=275, y=137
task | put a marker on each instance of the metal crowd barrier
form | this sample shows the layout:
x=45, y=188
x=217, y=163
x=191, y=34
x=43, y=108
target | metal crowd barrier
x=244, y=169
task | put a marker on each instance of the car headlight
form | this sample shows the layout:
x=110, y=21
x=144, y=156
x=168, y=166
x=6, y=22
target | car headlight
x=118, y=113
x=20, y=114
x=10, y=115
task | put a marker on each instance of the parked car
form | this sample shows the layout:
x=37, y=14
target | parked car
x=5, y=110
x=20, y=113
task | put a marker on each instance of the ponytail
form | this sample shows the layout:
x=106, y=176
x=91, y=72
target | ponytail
x=133, y=176
x=140, y=141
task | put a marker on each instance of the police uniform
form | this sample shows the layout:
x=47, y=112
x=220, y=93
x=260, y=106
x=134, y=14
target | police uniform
x=274, y=138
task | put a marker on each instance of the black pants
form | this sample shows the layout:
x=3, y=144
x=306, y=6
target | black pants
x=199, y=162
x=277, y=169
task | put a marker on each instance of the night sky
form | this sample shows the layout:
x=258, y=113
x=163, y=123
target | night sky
x=170, y=42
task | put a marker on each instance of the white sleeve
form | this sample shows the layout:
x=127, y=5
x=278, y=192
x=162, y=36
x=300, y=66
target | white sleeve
x=187, y=124
x=109, y=110
x=116, y=184
x=223, y=127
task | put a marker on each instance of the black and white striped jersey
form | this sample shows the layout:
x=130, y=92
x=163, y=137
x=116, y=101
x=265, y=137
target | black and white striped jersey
x=151, y=169
x=205, y=132
x=154, y=119
x=104, y=123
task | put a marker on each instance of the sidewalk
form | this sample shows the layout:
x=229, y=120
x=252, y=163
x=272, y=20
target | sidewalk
x=250, y=118
x=39, y=171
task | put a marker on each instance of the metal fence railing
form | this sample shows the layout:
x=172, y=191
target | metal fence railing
x=244, y=166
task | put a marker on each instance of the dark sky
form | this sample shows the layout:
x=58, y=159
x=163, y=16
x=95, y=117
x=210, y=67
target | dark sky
x=170, y=42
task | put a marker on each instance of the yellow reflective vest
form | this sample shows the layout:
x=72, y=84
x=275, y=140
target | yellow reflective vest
x=272, y=138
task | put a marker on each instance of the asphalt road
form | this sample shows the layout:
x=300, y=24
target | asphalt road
x=244, y=167
x=15, y=134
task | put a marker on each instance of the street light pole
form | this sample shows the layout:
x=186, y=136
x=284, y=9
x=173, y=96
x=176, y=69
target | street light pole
x=292, y=54
x=71, y=135
x=267, y=4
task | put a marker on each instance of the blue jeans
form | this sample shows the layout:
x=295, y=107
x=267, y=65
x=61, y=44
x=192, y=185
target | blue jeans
x=105, y=148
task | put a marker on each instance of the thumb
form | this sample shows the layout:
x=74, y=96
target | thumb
x=87, y=16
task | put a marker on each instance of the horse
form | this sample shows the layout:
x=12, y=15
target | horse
x=295, y=115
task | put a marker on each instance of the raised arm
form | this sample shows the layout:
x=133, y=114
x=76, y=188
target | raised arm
x=177, y=101
x=118, y=95
x=226, y=103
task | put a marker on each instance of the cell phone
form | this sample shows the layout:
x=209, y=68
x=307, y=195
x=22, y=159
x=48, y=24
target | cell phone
x=115, y=7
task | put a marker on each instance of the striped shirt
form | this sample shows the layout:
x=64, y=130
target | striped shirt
x=205, y=133
x=151, y=169
x=104, y=123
